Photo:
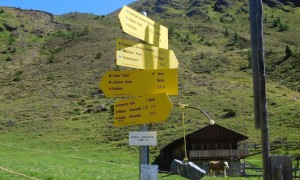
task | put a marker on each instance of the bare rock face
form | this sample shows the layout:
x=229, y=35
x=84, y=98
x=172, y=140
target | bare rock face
x=277, y=3
x=10, y=27
x=11, y=123
x=200, y=2
x=272, y=3
x=221, y=5
x=164, y=1
x=102, y=107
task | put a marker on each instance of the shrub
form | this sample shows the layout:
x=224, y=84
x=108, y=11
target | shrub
x=171, y=31
x=236, y=37
x=276, y=22
x=229, y=113
x=98, y=55
x=8, y=58
x=18, y=76
x=12, y=50
x=283, y=27
x=209, y=43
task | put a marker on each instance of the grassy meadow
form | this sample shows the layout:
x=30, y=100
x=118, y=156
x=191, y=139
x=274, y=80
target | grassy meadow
x=55, y=122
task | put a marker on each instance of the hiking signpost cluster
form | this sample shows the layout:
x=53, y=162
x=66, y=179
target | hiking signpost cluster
x=155, y=77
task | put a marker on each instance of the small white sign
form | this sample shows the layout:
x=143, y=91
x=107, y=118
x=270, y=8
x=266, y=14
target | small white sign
x=149, y=172
x=143, y=138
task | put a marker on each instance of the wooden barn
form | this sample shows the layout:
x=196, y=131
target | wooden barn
x=212, y=142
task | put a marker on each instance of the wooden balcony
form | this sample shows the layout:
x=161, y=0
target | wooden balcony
x=222, y=153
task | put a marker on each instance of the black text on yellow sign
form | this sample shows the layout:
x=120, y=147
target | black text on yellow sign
x=142, y=110
x=139, y=82
x=139, y=26
x=144, y=56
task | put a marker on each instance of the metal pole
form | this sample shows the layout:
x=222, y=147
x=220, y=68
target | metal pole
x=259, y=82
x=143, y=150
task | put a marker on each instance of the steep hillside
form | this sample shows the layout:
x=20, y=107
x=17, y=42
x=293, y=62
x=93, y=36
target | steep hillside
x=50, y=67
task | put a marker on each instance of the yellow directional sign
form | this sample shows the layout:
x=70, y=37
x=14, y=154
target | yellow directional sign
x=144, y=56
x=139, y=26
x=142, y=110
x=139, y=82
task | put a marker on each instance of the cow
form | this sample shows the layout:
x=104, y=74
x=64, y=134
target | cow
x=217, y=166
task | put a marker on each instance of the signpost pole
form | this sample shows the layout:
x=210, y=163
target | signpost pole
x=143, y=150
x=145, y=29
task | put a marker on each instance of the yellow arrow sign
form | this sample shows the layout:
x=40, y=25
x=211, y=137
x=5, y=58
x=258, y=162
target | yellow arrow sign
x=139, y=26
x=144, y=56
x=142, y=110
x=139, y=82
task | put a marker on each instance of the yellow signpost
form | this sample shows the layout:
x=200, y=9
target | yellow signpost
x=158, y=78
x=142, y=110
x=141, y=27
x=144, y=56
x=139, y=82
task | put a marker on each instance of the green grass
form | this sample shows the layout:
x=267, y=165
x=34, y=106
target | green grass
x=58, y=132
x=82, y=162
x=69, y=164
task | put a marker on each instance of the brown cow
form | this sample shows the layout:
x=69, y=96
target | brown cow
x=217, y=166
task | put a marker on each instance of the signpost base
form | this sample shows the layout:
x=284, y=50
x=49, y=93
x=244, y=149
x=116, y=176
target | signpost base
x=144, y=151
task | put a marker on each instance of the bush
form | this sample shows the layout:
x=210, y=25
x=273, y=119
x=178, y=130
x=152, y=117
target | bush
x=283, y=27
x=236, y=37
x=229, y=113
x=18, y=76
x=8, y=58
x=171, y=31
x=98, y=55
x=276, y=22
x=12, y=50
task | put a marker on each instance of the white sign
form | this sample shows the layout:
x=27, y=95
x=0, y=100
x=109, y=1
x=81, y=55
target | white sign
x=149, y=172
x=143, y=138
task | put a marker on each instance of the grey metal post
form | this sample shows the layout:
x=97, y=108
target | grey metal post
x=259, y=82
x=143, y=150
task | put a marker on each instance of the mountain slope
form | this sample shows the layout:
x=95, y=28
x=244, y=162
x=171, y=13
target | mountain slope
x=50, y=68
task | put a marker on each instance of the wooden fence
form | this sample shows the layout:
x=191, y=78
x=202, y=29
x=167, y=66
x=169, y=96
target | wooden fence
x=296, y=172
x=274, y=145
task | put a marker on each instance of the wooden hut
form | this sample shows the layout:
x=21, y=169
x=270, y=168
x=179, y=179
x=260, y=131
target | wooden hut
x=212, y=142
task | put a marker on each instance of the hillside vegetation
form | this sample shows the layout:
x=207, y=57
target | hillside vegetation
x=51, y=65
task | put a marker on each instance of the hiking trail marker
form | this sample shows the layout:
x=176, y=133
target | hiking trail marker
x=142, y=110
x=157, y=79
x=139, y=82
x=144, y=56
x=143, y=138
x=139, y=26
